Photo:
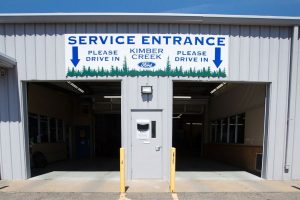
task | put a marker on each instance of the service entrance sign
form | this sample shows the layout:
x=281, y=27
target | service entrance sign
x=146, y=55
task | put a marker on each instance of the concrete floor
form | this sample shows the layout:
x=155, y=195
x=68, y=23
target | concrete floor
x=216, y=175
x=180, y=176
x=231, y=183
x=146, y=186
x=65, y=177
x=70, y=175
x=187, y=168
x=150, y=196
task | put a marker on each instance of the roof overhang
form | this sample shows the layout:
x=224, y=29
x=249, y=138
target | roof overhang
x=148, y=18
x=7, y=62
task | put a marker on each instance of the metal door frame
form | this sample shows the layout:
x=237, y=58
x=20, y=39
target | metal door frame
x=131, y=135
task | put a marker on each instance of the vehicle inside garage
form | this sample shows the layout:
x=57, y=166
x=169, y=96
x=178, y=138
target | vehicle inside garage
x=74, y=126
x=218, y=127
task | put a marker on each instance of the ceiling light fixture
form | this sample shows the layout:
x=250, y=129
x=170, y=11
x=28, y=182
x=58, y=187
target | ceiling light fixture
x=182, y=97
x=146, y=89
x=217, y=88
x=75, y=86
x=194, y=123
x=112, y=97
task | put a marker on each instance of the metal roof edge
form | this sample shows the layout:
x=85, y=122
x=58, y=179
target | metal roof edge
x=148, y=18
x=7, y=61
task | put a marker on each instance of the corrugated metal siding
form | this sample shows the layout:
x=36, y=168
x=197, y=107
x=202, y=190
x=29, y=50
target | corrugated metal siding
x=256, y=53
x=294, y=121
x=41, y=46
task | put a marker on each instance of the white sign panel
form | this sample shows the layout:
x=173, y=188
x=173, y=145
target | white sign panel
x=146, y=55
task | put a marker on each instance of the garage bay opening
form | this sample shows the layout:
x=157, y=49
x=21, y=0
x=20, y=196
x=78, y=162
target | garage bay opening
x=74, y=129
x=218, y=130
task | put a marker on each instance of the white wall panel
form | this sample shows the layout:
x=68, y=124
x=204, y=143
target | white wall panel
x=274, y=50
x=234, y=53
x=295, y=118
x=254, y=54
x=10, y=120
x=244, y=64
x=60, y=51
x=282, y=102
x=264, y=51
x=6, y=153
x=40, y=51
x=50, y=52
x=30, y=53
x=2, y=38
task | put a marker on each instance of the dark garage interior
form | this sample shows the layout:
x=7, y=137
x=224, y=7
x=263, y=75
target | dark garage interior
x=218, y=126
x=74, y=126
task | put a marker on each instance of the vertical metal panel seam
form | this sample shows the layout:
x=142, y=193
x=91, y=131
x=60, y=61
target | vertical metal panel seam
x=269, y=106
x=275, y=120
x=20, y=123
x=287, y=98
x=1, y=125
x=15, y=85
x=60, y=31
x=20, y=130
x=297, y=80
x=259, y=51
x=9, y=129
x=55, y=57
x=289, y=92
x=4, y=33
x=15, y=51
x=9, y=118
x=249, y=57
x=229, y=60
x=65, y=31
x=239, y=47
x=35, y=63
x=25, y=59
x=266, y=111
x=45, y=43
x=2, y=38
x=296, y=93
x=266, y=133
x=276, y=114
x=269, y=54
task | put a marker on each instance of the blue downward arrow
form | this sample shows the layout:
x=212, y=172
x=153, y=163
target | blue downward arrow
x=217, y=59
x=75, y=59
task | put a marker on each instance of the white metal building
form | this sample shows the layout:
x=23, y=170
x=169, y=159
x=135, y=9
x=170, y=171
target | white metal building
x=260, y=50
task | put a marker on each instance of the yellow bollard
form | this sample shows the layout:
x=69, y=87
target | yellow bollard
x=172, y=169
x=122, y=170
